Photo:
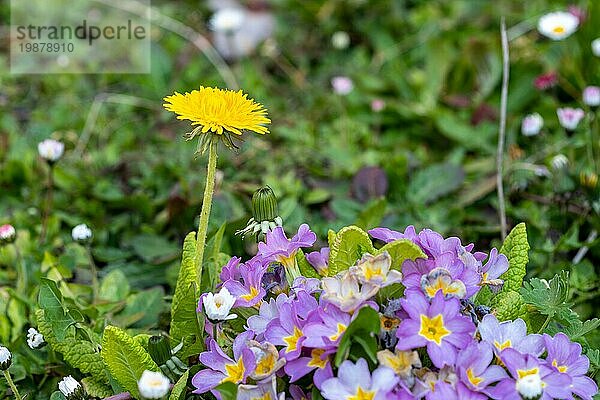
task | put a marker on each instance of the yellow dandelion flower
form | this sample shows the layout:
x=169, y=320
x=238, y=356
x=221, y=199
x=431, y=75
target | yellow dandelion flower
x=218, y=111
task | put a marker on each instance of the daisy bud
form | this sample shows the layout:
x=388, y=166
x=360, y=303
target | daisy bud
x=559, y=162
x=8, y=234
x=51, y=150
x=159, y=348
x=71, y=389
x=596, y=47
x=5, y=358
x=227, y=20
x=217, y=306
x=591, y=96
x=342, y=85
x=558, y=25
x=35, y=340
x=532, y=124
x=81, y=233
x=569, y=117
x=340, y=40
x=377, y=105
x=153, y=385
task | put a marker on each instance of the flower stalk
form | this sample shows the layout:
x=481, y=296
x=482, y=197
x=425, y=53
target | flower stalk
x=48, y=205
x=12, y=385
x=209, y=191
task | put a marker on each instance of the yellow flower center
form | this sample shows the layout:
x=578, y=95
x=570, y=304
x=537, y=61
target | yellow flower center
x=475, y=380
x=400, y=362
x=288, y=262
x=235, y=372
x=253, y=293
x=558, y=29
x=522, y=373
x=433, y=329
x=502, y=346
x=372, y=271
x=265, y=364
x=341, y=328
x=446, y=285
x=561, y=368
x=362, y=395
x=292, y=340
x=316, y=360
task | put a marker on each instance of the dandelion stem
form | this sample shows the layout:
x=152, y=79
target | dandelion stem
x=502, y=130
x=12, y=385
x=209, y=190
x=48, y=206
x=94, y=272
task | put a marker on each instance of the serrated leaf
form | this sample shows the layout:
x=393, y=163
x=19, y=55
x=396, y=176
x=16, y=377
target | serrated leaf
x=184, y=319
x=401, y=250
x=51, y=301
x=126, y=359
x=179, y=389
x=330, y=237
x=516, y=249
x=549, y=298
x=349, y=245
x=78, y=353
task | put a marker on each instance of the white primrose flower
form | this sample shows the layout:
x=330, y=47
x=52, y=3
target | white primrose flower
x=558, y=25
x=596, y=47
x=5, y=358
x=532, y=124
x=51, y=150
x=227, y=20
x=70, y=388
x=35, y=340
x=81, y=233
x=153, y=385
x=217, y=306
x=569, y=117
x=591, y=96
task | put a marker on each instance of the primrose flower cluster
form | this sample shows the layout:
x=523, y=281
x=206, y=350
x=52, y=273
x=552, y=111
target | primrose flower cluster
x=433, y=342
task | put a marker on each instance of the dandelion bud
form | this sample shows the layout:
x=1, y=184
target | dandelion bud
x=81, y=233
x=264, y=204
x=51, y=150
x=71, y=389
x=153, y=385
x=5, y=358
x=8, y=234
x=159, y=348
x=35, y=340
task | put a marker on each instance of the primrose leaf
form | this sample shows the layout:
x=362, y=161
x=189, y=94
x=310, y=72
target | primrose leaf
x=95, y=387
x=126, y=359
x=51, y=301
x=401, y=250
x=304, y=266
x=184, y=319
x=349, y=245
x=366, y=326
x=509, y=305
x=228, y=391
x=180, y=387
x=516, y=249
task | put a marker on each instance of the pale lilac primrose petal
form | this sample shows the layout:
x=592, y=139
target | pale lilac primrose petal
x=287, y=331
x=344, y=291
x=565, y=357
x=558, y=25
x=509, y=334
x=308, y=285
x=263, y=390
x=153, y=385
x=231, y=270
x=529, y=379
x=439, y=279
x=319, y=260
x=317, y=360
x=445, y=391
x=591, y=96
x=267, y=360
x=438, y=325
x=569, y=118
x=342, y=85
x=532, y=124
x=7, y=234
x=267, y=312
x=51, y=150
x=217, y=306
x=326, y=327
x=474, y=367
x=248, y=290
x=376, y=270
x=355, y=381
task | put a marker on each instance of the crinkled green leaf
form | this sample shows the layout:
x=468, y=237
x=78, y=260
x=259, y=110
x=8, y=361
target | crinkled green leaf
x=126, y=359
x=349, y=245
x=179, y=389
x=508, y=306
x=96, y=388
x=516, y=249
x=402, y=250
x=77, y=352
x=184, y=319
